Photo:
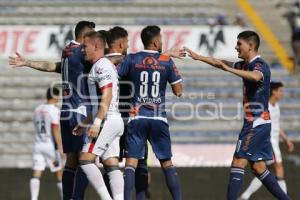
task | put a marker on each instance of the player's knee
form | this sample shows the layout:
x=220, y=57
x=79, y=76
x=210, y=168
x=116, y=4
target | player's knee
x=258, y=168
x=132, y=162
x=72, y=160
x=111, y=168
x=239, y=162
x=142, y=164
x=36, y=174
x=166, y=163
x=111, y=161
x=85, y=162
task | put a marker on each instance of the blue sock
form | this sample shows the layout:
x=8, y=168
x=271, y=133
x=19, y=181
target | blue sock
x=129, y=177
x=81, y=183
x=68, y=182
x=141, y=181
x=172, y=182
x=235, y=182
x=272, y=185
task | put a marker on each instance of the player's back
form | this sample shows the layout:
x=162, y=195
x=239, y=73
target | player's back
x=45, y=117
x=74, y=70
x=150, y=72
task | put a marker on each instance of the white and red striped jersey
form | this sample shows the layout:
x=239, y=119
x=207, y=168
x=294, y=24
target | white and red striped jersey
x=45, y=117
x=104, y=75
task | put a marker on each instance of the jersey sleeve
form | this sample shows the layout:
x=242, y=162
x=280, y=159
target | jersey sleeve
x=124, y=66
x=260, y=68
x=174, y=76
x=55, y=116
x=103, y=73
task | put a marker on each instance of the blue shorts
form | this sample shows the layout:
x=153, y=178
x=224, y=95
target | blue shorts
x=155, y=131
x=254, y=143
x=70, y=142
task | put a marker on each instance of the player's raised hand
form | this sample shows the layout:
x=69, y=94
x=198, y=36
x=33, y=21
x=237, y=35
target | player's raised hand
x=192, y=54
x=17, y=61
x=175, y=52
x=93, y=131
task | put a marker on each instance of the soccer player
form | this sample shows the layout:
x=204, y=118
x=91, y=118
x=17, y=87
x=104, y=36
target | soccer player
x=254, y=144
x=47, y=149
x=149, y=71
x=276, y=94
x=74, y=70
x=117, y=40
x=103, y=82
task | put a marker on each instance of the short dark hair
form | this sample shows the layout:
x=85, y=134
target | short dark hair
x=96, y=35
x=148, y=33
x=275, y=86
x=51, y=92
x=250, y=36
x=114, y=34
x=80, y=26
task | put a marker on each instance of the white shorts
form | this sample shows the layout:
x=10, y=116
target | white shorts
x=44, y=154
x=276, y=152
x=107, y=145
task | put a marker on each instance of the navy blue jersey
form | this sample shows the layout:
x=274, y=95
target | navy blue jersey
x=256, y=94
x=74, y=70
x=149, y=71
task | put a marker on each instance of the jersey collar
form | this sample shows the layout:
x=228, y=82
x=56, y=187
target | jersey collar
x=149, y=51
x=73, y=41
x=113, y=54
x=258, y=56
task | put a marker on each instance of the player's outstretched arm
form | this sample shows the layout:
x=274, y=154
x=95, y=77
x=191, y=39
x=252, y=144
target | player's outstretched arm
x=20, y=61
x=248, y=75
x=209, y=60
x=288, y=142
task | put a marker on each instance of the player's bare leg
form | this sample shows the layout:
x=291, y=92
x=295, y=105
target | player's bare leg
x=35, y=184
x=87, y=164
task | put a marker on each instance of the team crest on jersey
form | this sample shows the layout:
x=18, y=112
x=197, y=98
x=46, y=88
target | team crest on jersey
x=258, y=66
x=150, y=61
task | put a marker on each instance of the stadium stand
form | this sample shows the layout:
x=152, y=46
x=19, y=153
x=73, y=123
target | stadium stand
x=128, y=12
